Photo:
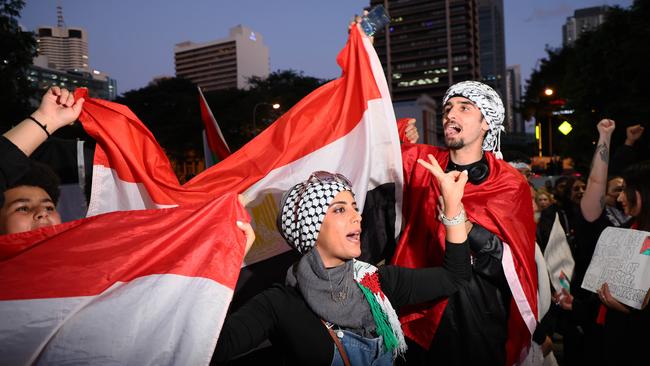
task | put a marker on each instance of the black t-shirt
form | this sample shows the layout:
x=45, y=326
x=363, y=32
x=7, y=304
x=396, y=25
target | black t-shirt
x=587, y=234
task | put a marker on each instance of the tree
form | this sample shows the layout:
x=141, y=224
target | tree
x=233, y=108
x=603, y=75
x=170, y=108
x=17, y=50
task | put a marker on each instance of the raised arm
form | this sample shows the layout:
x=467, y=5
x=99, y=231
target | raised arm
x=452, y=188
x=411, y=286
x=593, y=202
x=58, y=108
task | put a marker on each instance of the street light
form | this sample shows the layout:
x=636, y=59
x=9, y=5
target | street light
x=549, y=92
x=274, y=106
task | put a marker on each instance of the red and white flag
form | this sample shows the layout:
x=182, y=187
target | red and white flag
x=345, y=126
x=153, y=286
x=124, y=288
x=216, y=148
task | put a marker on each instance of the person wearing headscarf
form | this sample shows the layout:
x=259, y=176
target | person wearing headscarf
x=496, y=311
x=334, y=309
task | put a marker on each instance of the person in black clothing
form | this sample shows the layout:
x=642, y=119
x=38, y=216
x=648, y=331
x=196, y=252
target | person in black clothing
x=620, y=337
x=567, y=206
x=334, y=309
x=30, y=190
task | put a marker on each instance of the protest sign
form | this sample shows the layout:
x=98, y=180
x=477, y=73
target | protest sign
x=622, y=259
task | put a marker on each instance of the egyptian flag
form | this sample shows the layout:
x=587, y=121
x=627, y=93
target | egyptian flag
x=503, y=206
x=147, y=287
x=214, y=144
x=345, y=126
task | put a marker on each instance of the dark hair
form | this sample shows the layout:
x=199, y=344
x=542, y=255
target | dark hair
x=565, y=198
x=39, y=175
x=637, y=179
x=559, y=180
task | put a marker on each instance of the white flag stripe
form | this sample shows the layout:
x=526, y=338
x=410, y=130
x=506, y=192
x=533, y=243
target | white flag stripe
x=390, y=130
x=110, y=193
x=127, y=316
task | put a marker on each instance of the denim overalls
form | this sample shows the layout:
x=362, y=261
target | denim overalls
x=362, y=351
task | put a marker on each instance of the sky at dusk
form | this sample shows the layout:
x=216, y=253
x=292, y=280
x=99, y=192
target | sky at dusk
x=133, y=41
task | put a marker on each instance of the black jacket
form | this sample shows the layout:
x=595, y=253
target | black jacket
x=281, y=315
x=474, y=326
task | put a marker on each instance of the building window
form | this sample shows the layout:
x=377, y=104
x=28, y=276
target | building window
x=45, y=32
x=74, y=33
x=407, y=65
x=418, y=82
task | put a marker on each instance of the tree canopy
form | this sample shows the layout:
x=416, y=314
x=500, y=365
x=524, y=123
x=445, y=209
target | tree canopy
x=17, y=50
x=170, y=108
x=603, y=75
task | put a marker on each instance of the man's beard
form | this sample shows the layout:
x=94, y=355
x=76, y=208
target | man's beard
x=455, y=144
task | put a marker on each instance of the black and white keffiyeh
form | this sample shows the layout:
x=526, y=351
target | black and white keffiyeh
x=303, y=210
x=491, y=106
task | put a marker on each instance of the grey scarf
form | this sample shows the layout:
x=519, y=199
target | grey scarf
x=320, y=286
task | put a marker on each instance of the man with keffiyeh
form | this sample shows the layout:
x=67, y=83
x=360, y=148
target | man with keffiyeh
x=490, y=320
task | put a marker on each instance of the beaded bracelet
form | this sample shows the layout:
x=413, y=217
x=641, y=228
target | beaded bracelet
x=44, y=127
x=458, y=219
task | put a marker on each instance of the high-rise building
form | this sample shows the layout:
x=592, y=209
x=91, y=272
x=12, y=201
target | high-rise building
x=492, y=45
x=583, y=20
x=223, y=63
x=62, y=61
x=514, y=121
x=66, y=48
x=428, y=46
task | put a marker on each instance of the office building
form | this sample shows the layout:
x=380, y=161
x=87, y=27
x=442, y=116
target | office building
x=514, y=121
x=583, y=20
x=428, y=46
x=223, y=63
x=62, y=60
x=66, y=48
x=492, y=45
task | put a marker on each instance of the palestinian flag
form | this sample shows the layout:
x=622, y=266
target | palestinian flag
x=214, y=144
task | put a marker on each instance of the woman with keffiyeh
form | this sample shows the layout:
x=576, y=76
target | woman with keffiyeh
x=334, y=309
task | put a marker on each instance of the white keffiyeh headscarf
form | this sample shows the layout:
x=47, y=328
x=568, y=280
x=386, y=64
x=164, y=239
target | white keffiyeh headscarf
x=489, y=103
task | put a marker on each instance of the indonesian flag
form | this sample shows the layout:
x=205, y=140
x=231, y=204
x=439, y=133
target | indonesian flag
x=145, y=287
x=345, y=126
x=216, y=143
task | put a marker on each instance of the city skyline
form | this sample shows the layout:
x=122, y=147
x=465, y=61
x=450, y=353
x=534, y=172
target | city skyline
x=134, y=41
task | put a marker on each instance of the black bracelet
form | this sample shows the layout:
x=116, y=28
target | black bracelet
x=44, y=127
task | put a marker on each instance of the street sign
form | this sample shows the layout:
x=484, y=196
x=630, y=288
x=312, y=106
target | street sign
x=565, y=127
